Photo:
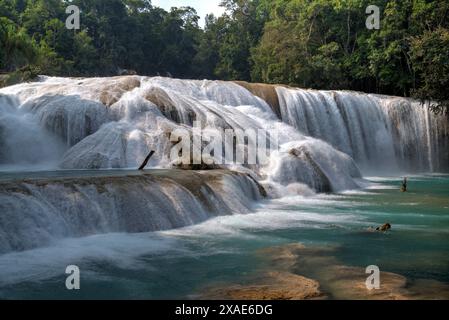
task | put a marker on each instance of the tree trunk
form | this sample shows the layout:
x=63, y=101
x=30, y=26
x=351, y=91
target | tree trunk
x=144, y=164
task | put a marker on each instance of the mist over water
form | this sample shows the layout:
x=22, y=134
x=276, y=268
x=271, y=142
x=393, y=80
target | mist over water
x=24, y=143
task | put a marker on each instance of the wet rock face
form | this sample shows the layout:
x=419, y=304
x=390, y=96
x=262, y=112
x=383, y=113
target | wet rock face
x=70, y=117
x=266, y=92
x=312, y=163
x=112, y=92
x=320, y=182
x=163, y=101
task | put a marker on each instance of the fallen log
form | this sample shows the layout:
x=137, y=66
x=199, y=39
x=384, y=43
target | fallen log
x=144, y=164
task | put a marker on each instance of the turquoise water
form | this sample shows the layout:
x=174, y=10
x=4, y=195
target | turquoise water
x=181, y=263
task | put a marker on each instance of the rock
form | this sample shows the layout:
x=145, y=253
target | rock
x=271, y=286
x=162, y=100
x=321, y=183
x=266, y=92
x=337, y=281
x=114, y=90
x=384, y=228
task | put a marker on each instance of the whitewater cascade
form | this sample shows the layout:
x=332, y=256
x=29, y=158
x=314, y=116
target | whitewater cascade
x=37, y=212
x=327, y=140
x=382, y=134
x=113, y=122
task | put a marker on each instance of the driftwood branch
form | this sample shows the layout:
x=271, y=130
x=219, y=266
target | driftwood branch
x=144, y=164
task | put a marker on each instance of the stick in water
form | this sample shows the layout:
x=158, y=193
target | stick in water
x=144, y=164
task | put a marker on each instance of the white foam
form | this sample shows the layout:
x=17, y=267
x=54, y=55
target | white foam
x=120, y=250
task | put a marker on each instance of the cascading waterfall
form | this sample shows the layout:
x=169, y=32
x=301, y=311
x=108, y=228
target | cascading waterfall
x=113, y=122
x=324, y=137
x=383, y=134
x=39, y=212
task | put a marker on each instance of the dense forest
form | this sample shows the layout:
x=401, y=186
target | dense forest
x=322, y=44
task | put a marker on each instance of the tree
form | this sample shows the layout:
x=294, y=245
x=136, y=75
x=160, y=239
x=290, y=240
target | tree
x=430, y=59
x=17, y=49
x=322, y=44
x=207, y=56
x=84, y=54
x=241, y=29
x=304, y=43
x=180, y=38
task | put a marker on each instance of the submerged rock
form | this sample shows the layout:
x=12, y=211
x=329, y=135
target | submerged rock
x=271, y=286
x=295, y=271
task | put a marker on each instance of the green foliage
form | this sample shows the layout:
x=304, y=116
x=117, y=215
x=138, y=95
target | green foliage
x=430, y=59
x=115, y=34
x=326, y=45
x=17, y=48
x=24, y=74
x=321, y=44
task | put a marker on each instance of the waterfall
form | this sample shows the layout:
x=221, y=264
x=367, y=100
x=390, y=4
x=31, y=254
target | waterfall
x=37, y=212
x=23, y=142
x=383, y=134
x=112, y=123
x=326, y=141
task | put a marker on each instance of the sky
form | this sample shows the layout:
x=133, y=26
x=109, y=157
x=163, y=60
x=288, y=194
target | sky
x=203, y=7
